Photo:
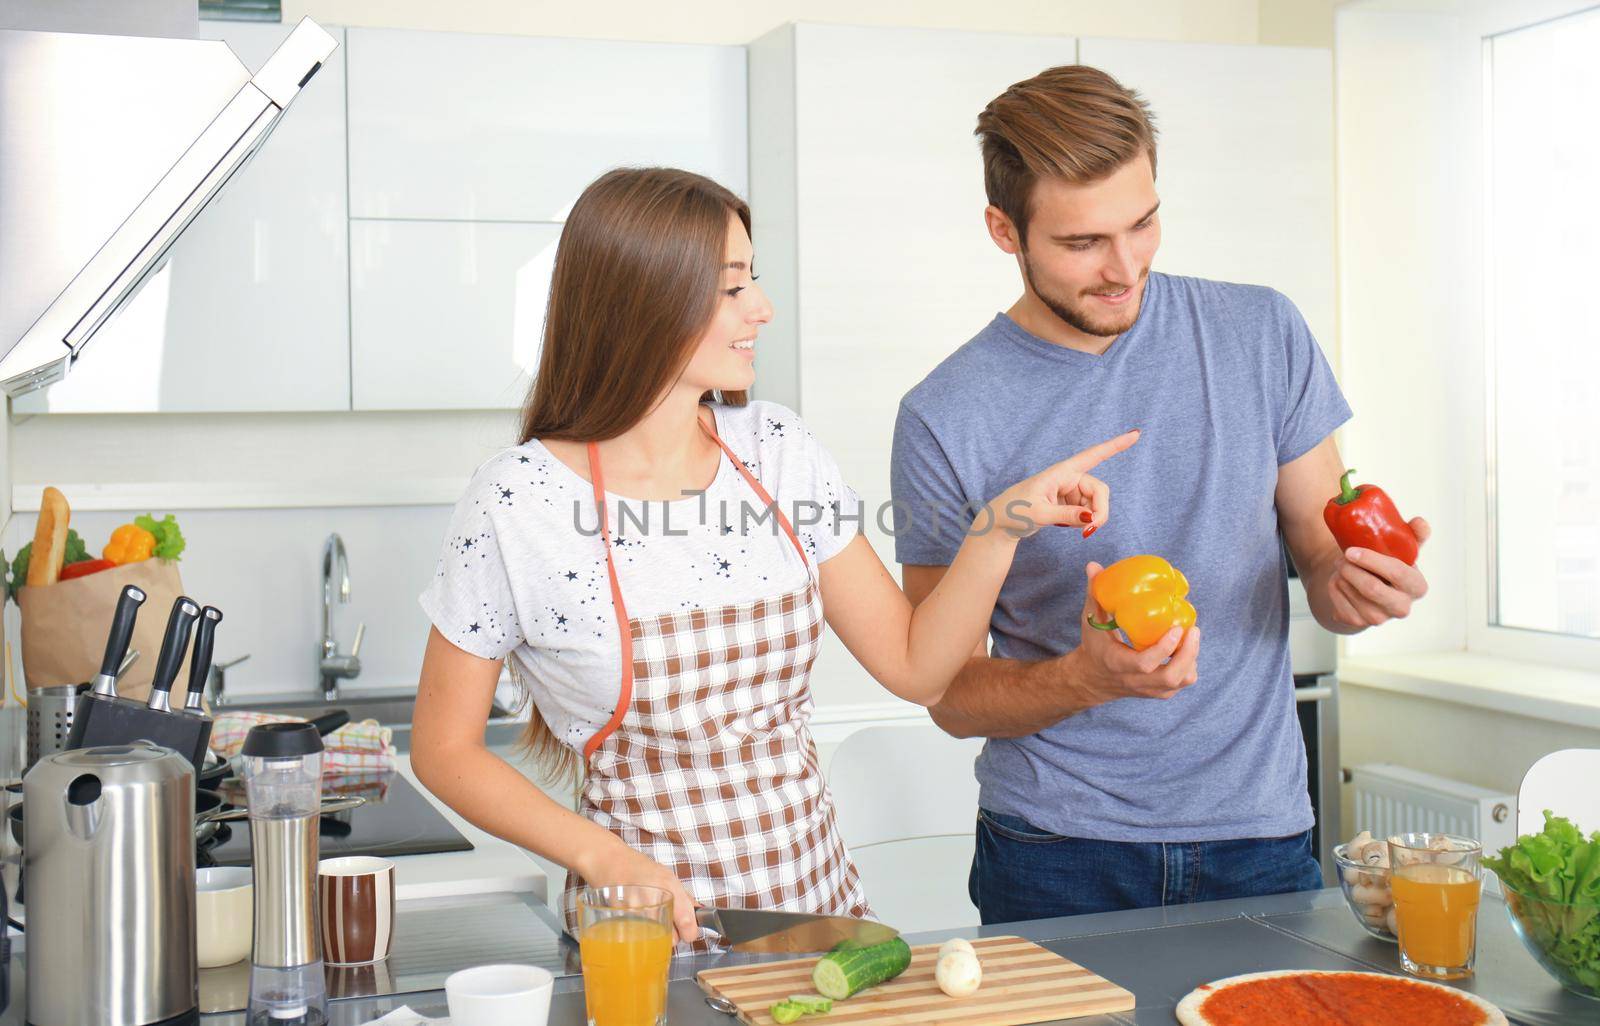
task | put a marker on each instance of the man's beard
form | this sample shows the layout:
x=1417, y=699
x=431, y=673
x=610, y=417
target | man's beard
x=1079, y=316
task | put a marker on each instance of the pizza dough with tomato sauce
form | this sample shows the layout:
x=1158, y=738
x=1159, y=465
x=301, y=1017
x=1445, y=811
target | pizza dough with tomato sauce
x=1310, y=998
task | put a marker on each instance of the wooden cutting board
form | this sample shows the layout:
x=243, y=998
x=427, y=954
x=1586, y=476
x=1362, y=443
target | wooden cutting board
x=1022, y=983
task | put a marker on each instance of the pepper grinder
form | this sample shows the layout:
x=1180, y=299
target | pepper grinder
x=282, y=767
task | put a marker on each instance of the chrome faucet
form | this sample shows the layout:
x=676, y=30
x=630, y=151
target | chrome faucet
x=218, y=677
x=333, y=666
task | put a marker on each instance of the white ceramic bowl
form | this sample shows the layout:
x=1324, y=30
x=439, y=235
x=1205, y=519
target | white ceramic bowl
x=224, y=912
x=500, y=995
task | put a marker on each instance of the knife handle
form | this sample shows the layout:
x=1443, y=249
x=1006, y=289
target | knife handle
x=205, y=636
x=122, y=619
x=706, y=918
x=179, y=623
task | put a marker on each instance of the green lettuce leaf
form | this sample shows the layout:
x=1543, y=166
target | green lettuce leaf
x=169, y=540
x=1561, y=866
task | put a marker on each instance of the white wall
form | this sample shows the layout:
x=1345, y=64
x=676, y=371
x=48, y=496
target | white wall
x=6, y=628
x=5, y=464
x=740, y=21
x=1406, y=177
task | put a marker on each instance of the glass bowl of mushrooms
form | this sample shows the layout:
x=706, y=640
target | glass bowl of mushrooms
x=1364, y=878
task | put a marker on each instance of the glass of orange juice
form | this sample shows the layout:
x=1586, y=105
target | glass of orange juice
x=625, y=941
x=1436, y=881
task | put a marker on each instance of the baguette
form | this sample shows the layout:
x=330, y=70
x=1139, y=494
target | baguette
x=49, y=539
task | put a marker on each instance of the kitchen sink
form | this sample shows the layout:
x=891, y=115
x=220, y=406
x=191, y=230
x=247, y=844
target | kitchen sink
x=392, y=709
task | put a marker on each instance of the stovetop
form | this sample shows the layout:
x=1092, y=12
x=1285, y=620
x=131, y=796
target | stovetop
x=397, y=820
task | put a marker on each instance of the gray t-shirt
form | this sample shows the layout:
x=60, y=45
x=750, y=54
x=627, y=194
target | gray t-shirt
x=1227, y=384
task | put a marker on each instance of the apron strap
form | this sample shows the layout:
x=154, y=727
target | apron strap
x=761, y=492
x=624, y=632
x=625, y=697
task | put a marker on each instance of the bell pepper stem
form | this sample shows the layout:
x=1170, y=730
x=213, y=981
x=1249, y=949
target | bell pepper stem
x=1109, y=625
x=1347, y=492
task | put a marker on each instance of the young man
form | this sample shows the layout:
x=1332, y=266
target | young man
x=1113, y=778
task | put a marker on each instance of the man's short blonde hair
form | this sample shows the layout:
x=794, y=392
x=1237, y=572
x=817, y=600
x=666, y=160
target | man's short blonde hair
x=1073, y=123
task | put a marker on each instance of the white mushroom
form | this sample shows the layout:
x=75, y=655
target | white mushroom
x=957, y=944
x=1389, y=922
x=958, y=973
x=1376, y=853
x=1366, y=894
x=1358, y=842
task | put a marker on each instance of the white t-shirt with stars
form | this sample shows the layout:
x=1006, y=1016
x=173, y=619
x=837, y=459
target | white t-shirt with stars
x=523, y=573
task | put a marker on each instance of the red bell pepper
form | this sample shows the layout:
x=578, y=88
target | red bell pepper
x=85, y=567
x=1366, y=517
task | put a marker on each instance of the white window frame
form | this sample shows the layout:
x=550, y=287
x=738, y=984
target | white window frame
x=1485, y=20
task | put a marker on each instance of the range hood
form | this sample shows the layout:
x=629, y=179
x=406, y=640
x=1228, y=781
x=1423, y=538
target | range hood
x=109, y=148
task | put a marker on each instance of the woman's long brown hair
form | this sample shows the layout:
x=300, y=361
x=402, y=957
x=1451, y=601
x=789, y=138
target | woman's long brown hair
x=635, y=285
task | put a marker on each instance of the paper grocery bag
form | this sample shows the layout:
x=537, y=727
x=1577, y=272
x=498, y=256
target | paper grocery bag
x=64, y=627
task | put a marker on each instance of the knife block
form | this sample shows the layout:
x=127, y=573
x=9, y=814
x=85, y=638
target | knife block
x=104, y=720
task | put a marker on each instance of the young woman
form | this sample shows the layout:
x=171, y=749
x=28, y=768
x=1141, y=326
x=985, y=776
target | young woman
x=654, y=562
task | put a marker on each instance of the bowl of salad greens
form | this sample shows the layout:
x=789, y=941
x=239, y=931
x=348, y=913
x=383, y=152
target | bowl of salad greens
x=1551, y=882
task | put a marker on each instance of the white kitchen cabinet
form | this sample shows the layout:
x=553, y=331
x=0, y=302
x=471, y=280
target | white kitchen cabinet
x=446, y=314
x=1244, y=162
x=451, y=126
x=866, y=186
x=251, y=311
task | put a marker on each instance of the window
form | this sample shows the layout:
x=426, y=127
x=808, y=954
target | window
x=1542, y=324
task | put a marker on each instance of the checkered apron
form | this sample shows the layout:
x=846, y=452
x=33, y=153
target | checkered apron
x=707, y=765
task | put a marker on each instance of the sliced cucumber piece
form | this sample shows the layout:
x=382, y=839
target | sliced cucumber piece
x=841, y=974
x=813, y=1004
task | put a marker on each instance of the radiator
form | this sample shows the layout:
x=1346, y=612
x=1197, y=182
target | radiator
x=1392, y=799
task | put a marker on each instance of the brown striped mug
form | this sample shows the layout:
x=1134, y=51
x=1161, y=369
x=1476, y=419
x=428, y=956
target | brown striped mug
x=355, y=909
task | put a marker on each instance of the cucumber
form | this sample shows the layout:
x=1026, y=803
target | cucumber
x=811, y=1003
x=786, y=1012
x=841, y=974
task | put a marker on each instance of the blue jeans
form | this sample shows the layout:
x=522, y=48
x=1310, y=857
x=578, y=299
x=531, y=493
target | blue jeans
x=1021, y=872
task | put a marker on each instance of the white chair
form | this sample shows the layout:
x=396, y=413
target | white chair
x=907, y=802
x=1565, y=782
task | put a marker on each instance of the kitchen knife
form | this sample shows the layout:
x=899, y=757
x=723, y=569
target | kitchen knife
x=173, y=645
x=756, y=930
x=128, y=603
x=205, y=637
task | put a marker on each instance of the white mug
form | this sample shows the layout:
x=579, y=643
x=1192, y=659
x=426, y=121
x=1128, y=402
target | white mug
x=223, y=911
x=500, y=995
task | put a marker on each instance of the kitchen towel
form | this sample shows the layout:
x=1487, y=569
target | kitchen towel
x=357, y=748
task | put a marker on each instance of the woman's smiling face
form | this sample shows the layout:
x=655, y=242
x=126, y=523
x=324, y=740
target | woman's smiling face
x=724, y=359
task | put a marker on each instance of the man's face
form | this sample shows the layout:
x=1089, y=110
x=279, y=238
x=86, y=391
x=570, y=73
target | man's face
x=1089, y=247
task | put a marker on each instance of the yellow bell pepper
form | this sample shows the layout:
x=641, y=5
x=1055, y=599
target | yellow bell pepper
x=129, y=543
x=1144, y=596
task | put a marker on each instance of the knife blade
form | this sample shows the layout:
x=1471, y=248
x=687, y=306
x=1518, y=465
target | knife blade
x=761, y=931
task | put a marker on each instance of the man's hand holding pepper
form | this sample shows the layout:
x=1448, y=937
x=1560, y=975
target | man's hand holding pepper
x=1368, y=588
x=1105, y=669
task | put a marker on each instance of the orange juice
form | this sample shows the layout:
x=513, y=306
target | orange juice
x=625, y=970
x=1436, y=909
